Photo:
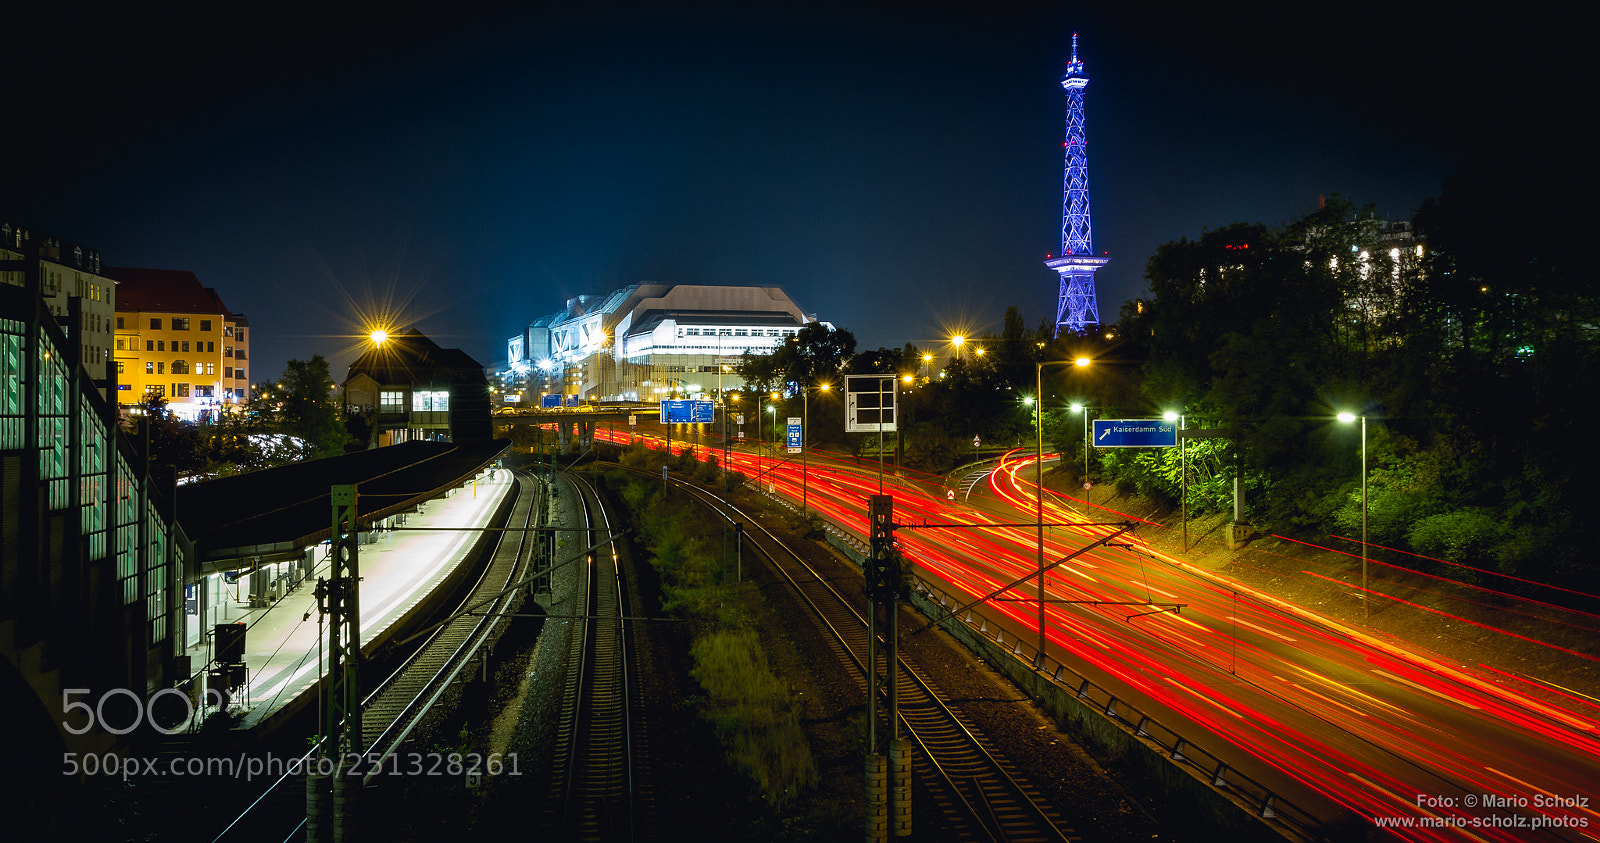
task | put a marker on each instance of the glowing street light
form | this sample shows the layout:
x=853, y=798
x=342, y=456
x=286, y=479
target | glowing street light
x=957, y=341
x=1348, y=418
x=805, y=442
x=1038, y=466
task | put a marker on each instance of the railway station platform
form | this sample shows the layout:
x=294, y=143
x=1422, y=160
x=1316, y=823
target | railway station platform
x=285, y=641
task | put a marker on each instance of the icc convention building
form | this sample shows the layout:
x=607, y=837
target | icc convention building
x=649, y=341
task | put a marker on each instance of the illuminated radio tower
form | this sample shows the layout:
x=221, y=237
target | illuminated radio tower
x=1077, y=262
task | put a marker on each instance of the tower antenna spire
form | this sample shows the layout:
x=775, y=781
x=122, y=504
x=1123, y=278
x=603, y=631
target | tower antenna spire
x=1077, y=262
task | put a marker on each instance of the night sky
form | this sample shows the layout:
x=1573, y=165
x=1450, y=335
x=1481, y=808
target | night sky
x=896, y=168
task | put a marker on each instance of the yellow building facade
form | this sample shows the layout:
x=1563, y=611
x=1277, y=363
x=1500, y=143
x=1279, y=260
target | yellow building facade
x=176, y=339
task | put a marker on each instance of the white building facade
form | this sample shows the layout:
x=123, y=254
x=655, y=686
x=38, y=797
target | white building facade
x=652, y=341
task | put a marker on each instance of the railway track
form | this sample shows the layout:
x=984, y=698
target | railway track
x=404, y=698
x=597, y=790
x=978, y=794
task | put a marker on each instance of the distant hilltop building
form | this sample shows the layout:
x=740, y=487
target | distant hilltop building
x=177, y=340
x=649, y=341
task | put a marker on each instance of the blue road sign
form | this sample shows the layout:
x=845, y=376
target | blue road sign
x=794, y=435
x=704, y=412
x=550, y=401
x=1135, y=433
x=676, y=411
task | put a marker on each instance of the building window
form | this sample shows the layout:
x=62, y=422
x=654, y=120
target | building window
x=239, y=373
x=161, y=368
x=240, y=335
x=149, y=368
x=391, y=402
x=120, y=368
x=203, y=392
x=211, y=369
x=205, y=324
x=227, y=372
x=185, y=346
x=424, y=401
x=211, y=348
x=180, y=367
x=119, y=323
x=180, y=323
x=155, y=324
x=227, y=351
x=161, y=345
x=156, y=390
x=149, y=345
x=180, y=390
x=120, y=344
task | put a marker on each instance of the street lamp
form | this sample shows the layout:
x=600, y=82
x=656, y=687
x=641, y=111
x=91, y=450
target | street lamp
x=1038, y=467
x=805, y=443
x=1347, y=418
x=957, y=341
x=1183, y=471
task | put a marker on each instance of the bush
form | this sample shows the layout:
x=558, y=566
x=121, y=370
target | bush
x=755, y=713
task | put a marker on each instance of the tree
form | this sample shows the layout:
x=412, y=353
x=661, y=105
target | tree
x=301, y=405
x=815, y=354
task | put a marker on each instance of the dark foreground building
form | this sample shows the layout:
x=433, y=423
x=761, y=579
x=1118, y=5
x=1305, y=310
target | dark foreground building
x=413, y=389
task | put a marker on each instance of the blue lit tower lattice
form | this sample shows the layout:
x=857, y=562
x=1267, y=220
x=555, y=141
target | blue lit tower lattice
x=1077, y=261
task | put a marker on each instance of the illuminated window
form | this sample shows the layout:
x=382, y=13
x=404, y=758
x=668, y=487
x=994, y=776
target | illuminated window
x=425, y=401
x=391, y=402
x=149, y=368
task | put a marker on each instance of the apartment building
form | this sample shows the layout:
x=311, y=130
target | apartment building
x=74, y=288
x=175, y=338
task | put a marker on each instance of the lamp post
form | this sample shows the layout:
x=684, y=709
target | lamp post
x=1038, y=466
x=957, y=341
x=1183, y=471
x=1347, y=418
x=805, y=444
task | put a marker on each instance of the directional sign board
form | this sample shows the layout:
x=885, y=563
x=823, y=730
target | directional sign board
x=703, y=412
x=794, y=435
x=677, y=411
x=1135, y=433
x=869, y=403
x=550, y=401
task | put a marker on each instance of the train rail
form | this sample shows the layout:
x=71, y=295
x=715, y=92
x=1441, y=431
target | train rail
x=597, y=790
x=393, y=709
x=978, y=792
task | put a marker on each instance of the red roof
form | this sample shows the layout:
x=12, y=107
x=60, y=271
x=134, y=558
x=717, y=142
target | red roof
x=164, y=291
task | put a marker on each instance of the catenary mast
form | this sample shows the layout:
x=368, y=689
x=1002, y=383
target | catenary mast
x=1077, y=262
